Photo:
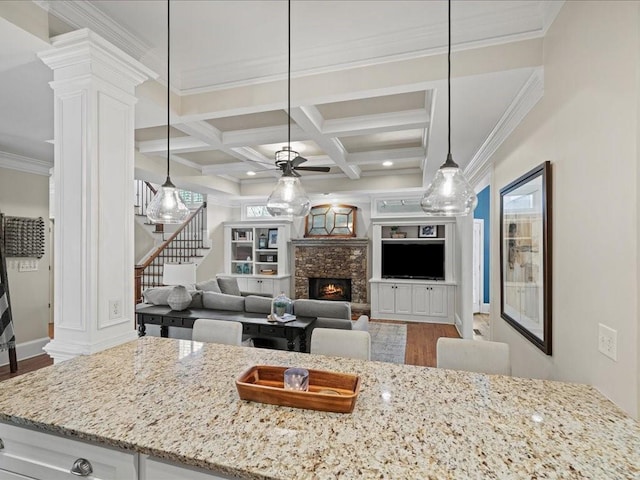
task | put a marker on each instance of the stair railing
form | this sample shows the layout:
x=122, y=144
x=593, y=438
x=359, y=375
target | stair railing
x=145, y=192
x=182, y=246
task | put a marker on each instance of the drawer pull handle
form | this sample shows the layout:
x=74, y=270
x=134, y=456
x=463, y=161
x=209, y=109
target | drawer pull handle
x=82, y=467
x=1, y=444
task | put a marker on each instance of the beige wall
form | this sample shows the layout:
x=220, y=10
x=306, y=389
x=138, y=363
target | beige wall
x=587, y=126
x=27, y=195
x=214, y=262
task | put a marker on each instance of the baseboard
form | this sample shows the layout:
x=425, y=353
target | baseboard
x=457, y=322
x=485, y=308
x=26, y=350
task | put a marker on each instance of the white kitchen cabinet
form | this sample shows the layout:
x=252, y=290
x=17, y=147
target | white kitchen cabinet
x=37, y=455
x=155, y=469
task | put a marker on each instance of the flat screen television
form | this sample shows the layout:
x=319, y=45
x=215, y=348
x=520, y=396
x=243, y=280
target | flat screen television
x=423, y=261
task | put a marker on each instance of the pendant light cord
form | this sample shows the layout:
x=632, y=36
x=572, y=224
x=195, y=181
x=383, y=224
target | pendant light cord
x=168, y=84
x=289, y=78
x=449, y=82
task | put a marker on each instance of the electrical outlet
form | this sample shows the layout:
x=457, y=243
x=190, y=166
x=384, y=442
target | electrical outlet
x=115, y=309
x=608, y=341
x=28, y=266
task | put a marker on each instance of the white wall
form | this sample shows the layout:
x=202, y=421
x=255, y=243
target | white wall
x=27, y=195
x=587, y=126
x=214, y=262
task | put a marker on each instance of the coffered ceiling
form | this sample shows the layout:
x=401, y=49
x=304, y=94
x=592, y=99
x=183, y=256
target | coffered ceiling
x=368, y=86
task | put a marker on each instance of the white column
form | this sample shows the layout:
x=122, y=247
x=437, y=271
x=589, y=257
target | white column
x=94, y=94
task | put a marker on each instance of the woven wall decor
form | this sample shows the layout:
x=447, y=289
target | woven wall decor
x=23, y=237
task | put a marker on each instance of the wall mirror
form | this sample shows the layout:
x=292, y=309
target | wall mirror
x=331, y=221
x=525, y=255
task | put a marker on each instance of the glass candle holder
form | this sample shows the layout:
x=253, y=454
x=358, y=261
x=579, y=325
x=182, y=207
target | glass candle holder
x=296, y=379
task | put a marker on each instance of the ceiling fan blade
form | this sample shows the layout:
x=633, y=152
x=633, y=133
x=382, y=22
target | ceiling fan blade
x=314, y=169
x=297, y=161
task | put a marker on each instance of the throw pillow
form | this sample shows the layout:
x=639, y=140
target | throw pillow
x=221, y=301
x=157, y=295
x=196, y=299
x=229, y=285
x=210, y=285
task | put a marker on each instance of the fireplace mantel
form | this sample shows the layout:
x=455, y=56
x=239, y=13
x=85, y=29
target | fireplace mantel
x=329, y=241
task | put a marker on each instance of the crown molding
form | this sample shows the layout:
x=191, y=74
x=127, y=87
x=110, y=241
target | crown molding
x=24, y=164
x=550, y=11
x=530, y=93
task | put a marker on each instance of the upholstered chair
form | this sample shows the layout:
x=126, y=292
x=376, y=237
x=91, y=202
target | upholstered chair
x=227, y=332
x=473, y=355
x=341, y=343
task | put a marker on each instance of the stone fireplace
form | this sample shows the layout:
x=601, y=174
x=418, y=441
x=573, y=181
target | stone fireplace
x=334, y=259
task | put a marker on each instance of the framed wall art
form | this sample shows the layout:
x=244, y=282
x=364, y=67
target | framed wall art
x=525, y=255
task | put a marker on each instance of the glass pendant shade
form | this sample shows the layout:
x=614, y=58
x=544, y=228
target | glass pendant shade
x=167, y=206
x=449, y=194
x=288, y=199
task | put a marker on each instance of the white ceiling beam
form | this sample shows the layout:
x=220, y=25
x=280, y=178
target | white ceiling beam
x=310, y=120
x=370, y=124
x=178, y=145
x=203, y=131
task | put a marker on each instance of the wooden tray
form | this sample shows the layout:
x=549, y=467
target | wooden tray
x=328, y=391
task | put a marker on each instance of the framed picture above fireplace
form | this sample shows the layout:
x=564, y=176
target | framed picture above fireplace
x=331, y=221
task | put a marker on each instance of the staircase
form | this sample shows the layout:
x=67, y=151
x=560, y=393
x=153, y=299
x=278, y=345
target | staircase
x=184, y=245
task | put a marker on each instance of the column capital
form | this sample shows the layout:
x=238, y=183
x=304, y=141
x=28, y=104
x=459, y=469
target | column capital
x=82, y=52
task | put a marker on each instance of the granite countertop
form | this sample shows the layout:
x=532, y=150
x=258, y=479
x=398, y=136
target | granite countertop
x=177, y=400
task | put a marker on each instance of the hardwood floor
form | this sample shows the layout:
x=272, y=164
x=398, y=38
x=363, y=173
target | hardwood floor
x=420, y=349
x=27, y=365
x=421, y=341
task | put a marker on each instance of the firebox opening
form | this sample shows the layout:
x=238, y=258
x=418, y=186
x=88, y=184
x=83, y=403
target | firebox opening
x=337, y=289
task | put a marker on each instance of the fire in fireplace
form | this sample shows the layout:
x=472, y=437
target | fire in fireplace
x=338, y=289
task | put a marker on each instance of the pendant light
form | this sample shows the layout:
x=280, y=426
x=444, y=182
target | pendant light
x=167, y=206
x=449, y=193
x=288, y=198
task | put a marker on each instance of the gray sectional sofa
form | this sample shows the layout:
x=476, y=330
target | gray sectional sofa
x=222, y=293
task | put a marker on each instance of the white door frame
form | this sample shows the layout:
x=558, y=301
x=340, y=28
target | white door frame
x=478, y=264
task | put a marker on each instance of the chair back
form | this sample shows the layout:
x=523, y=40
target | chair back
x=473, y=355
x=210, y=330
x=341, y=343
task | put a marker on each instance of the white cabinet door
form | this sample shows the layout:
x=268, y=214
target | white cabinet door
x=438, y=300
x=421, y=300
x=153, y=469
x=386, y=298
x=50, y=457
x=403, y=298
x=260, y=285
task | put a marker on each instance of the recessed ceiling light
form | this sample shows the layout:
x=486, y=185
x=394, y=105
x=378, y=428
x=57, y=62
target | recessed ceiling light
x=251, y=173
x=388, y=163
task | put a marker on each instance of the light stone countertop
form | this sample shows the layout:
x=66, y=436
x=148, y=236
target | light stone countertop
x=177, y=400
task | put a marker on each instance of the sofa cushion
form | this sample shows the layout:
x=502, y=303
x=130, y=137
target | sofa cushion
x=222, y=301
x=229, y=285
x=257, y=304
x=322, y=308
x=339, y=323
x=210, y=285
x=196, y=299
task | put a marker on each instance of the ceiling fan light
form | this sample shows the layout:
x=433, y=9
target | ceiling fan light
x=288, y=199
x=449, y=194
x=167, y=206
x=286, y=154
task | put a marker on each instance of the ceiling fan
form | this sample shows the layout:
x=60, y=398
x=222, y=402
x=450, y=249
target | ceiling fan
x=289, y=162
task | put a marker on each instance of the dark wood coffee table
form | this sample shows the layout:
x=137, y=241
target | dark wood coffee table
x=253, y=324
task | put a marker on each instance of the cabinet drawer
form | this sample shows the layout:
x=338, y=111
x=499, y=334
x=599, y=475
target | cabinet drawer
x=173, y=322
x=51, y=457
x=152, y=319
x=273, y=330
x=248, y=329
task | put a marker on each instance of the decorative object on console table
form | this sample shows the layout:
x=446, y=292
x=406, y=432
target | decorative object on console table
x=281, y=305
x=179, y=274
x=273, y=238
x=525, y=255
x=427, y=231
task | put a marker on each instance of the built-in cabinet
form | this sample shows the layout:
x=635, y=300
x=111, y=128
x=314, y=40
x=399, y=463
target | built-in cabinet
x=413, y=265
x=31, y=454
x=258, y=256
